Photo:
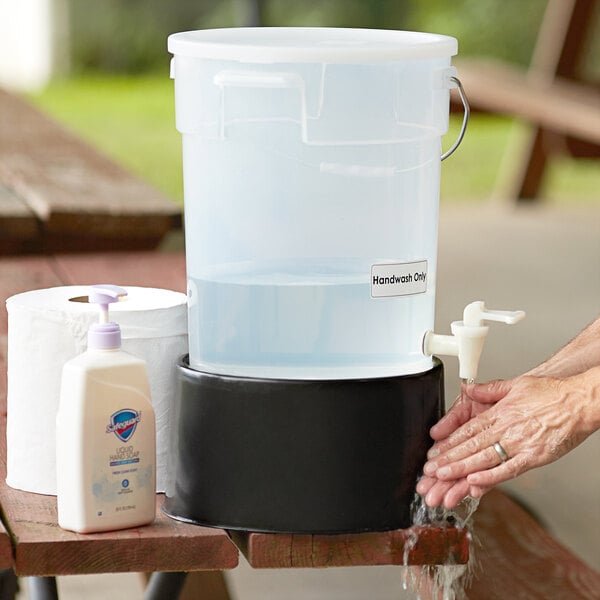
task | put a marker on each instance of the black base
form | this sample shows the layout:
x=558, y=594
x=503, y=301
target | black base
x=295, y=456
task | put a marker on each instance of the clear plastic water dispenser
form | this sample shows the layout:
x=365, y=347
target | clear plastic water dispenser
x=311, y=178
x=311, y=165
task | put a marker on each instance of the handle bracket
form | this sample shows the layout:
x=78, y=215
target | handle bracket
x=466, y=114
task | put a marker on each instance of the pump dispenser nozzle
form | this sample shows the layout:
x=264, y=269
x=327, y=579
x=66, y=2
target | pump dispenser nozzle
x=105, y=335
x=468, y=336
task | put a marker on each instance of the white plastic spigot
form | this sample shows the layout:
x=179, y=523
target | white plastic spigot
x=468, y=336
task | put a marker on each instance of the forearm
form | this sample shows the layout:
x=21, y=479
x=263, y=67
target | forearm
x=579, y=355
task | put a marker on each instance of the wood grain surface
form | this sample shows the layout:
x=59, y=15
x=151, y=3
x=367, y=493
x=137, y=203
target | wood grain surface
x=516, y=557
x=556, y=105
x=81, y=199
x=6, y=550
x=414, y=546
x=19, y=227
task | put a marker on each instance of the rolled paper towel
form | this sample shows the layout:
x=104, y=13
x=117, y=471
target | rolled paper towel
x=48, y=327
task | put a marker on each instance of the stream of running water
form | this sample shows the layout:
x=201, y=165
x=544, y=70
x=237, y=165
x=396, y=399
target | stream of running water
x=438, y=582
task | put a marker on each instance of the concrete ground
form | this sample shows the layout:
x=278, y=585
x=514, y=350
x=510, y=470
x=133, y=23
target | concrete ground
x=543, y=260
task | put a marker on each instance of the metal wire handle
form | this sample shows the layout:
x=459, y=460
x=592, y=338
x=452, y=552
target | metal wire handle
x=467, y=112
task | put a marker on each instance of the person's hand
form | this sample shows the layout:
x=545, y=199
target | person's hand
x=450, y=493
x=536, y=420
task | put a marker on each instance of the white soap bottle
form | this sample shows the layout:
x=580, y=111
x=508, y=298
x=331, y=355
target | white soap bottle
x=105, y=433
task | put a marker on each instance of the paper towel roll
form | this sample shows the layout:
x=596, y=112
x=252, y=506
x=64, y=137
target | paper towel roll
x=48, y=327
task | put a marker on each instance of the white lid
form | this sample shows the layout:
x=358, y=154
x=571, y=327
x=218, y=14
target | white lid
x=310, y=44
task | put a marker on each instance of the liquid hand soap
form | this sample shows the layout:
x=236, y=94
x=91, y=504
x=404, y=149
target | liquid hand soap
x=105, y=433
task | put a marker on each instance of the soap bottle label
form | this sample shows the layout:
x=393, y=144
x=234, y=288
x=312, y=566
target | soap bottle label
x=124, y=470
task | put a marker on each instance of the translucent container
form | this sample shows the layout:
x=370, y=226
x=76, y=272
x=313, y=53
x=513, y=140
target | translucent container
x=311, y=165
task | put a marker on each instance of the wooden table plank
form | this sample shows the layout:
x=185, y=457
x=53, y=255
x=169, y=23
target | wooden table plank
x=19, y=227
x=83, y=200
x=40, y=546
x=553, y=95
x=6, y=550
x=518, y=558
x=558, y=105
x=414, y=546
x=161, y=270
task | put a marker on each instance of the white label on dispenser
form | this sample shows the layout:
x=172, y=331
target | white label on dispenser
x=398, y=279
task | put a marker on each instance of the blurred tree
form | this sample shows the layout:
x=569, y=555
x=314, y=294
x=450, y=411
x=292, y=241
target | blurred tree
x=386, y=14
x=504, y=29
x=130, y=35
x=249, y=13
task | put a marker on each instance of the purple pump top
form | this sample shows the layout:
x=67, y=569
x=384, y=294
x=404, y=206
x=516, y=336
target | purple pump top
x=105, y=335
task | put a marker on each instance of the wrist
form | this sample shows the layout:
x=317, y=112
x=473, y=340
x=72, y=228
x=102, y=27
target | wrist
x=587, y=390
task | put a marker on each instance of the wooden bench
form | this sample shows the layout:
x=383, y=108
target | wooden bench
x=57, y=193
x=560, y=106
x=552, y=95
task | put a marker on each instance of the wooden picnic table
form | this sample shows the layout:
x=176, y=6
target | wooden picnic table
x=516, y=555
x=41, y=548
x=554, y=96
x=59, y=194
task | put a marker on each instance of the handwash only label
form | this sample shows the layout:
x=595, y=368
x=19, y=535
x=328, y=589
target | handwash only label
x=398, y=279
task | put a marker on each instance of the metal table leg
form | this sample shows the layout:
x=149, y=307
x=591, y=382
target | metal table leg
x=8, y=584
x=165, y=585
x=42, y=588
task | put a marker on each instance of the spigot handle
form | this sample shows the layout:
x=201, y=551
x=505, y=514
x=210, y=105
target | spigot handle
x=510, y=317
x=476, y=313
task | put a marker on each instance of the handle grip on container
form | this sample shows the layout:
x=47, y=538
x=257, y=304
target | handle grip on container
x=467, y=112
x=258, y=80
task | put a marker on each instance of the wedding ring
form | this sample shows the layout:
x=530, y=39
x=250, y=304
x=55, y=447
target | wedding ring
x=500, y=451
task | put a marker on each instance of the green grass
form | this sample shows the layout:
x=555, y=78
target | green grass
x=471, y=172
x=132, y=120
